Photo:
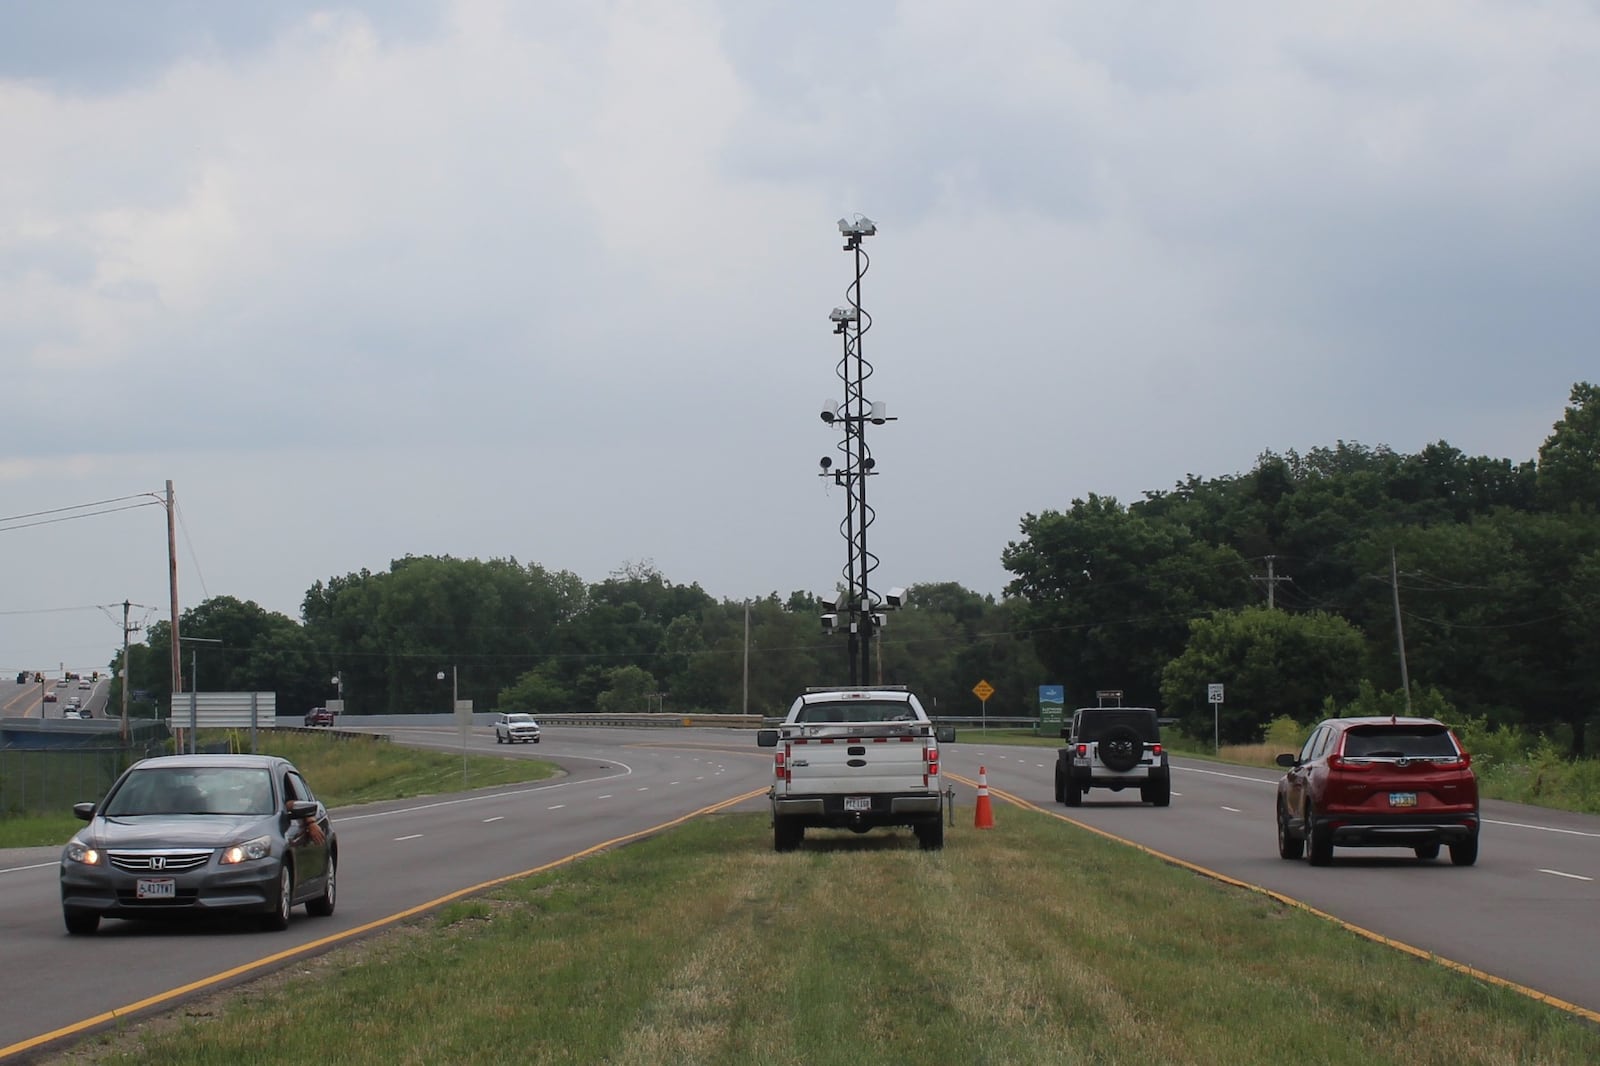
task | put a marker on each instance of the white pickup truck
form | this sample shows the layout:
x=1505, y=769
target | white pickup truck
x=858, y=759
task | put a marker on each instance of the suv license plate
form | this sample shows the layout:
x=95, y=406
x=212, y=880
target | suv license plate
x=1402, y=799
x=149, y=888
x=858, y=803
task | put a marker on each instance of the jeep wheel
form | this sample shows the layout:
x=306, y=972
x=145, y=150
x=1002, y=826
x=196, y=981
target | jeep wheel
x=1073, y=796
x=1289, y=845
x=1157, y=791
x=1121, y=748
x=1466, y=852
x=930, y=834
x=1427, y=851
x=1061, y=788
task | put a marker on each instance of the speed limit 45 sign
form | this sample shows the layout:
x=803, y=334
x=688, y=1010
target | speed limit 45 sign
x=1213, y=693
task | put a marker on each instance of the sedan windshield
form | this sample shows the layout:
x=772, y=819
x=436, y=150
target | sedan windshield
x=193, y=790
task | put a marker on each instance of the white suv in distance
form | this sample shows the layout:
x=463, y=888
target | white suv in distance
x=514, y=728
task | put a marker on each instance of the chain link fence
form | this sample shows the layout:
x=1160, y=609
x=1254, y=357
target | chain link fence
x=51, y=780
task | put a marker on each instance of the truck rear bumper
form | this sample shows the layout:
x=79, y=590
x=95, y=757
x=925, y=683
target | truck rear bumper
x=828, y=811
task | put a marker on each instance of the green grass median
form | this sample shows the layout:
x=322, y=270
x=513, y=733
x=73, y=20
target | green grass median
x=1035, y=942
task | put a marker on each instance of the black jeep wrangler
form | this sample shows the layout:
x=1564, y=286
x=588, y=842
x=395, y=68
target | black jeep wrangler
x=1113, y=747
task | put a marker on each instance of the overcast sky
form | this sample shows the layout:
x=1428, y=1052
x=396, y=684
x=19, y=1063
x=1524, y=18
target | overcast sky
x=552, y=280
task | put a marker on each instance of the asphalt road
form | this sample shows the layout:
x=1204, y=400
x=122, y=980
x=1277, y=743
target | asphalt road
x=395, y=856
x=1524, y=913
x=26, y=701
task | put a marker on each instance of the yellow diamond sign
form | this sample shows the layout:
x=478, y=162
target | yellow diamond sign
x=983, y=690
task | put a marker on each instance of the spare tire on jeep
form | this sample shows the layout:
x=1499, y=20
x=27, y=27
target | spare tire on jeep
x=1121, y=748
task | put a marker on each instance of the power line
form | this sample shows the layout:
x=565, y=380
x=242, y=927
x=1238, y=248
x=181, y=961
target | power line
x=18, y=524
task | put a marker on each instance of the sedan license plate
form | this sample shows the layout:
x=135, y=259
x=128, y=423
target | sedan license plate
x=153, y=888
x=858, y=803
x=1402, y=799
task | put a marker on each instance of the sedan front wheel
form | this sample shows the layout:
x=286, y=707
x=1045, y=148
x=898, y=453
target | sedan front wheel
x=277, y=919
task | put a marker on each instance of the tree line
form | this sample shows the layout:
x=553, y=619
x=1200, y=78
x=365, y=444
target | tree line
x=1480, y=575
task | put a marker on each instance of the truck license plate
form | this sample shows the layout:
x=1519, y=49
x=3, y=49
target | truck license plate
x=152, y=888
x=1402, y=799
x=858, y=803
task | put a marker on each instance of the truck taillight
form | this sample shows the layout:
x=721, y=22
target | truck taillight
x=777, y=764
x=930, y=755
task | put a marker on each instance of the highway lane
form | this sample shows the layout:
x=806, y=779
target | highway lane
x=395, y=856
x=1526, y=912
x=1522, y=913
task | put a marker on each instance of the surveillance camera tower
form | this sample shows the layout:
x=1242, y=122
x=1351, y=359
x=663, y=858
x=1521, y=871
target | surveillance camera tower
x=859, y=609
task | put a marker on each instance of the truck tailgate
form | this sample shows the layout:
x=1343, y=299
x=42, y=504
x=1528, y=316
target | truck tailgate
x=846, y=762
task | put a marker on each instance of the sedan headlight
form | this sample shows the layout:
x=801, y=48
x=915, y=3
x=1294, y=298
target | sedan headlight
x=78, y=851
x=259, y=848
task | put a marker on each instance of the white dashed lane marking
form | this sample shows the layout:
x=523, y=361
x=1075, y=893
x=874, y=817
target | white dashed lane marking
x=1558, y=873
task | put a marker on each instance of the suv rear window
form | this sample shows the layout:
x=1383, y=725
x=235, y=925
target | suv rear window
x=1094, y=722
x=1395, y=742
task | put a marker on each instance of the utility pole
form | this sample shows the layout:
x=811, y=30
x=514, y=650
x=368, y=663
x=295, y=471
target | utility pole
x=746, y=705
x=172, y=583
x=1399, y=633
x=127, y=674
x=1271, y=581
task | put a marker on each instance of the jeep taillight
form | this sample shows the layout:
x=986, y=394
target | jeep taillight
x=1083, y=749
x=1155, y=749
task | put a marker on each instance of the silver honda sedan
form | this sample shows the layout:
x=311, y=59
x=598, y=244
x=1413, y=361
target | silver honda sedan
x=182, y=835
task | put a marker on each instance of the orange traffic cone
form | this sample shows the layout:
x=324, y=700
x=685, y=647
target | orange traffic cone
x=985, y=815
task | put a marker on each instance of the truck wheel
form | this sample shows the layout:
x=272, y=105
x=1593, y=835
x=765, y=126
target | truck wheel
x=786, y=835
x=930, y=834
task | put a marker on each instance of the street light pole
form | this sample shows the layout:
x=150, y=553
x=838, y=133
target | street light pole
x=466, y=721
x=194, y=688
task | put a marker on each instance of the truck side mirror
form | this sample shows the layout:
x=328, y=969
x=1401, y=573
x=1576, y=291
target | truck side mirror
x=944, y=734
x=766, y=738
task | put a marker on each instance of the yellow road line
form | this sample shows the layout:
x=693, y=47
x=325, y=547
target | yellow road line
x=350, y=934
x=1290, y=901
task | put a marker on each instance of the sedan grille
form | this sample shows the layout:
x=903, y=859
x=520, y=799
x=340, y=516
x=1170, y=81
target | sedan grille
x=140, y=862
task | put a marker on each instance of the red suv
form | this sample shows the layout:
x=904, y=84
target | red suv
x=1379, y=783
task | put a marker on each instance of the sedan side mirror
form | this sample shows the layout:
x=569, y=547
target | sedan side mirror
x=83, y=810
x=1288, y=760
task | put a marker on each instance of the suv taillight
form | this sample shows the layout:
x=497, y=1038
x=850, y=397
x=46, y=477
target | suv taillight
x=1083, y=749
x=1155, y=749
